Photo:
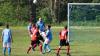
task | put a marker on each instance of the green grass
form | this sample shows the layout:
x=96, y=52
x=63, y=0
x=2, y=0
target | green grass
x=83, y=42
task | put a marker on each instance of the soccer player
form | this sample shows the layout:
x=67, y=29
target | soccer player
x=48, y=39
x=34, y=35
x=64, y=41
x=30, y=31
x=6, y=40
x=41, y=25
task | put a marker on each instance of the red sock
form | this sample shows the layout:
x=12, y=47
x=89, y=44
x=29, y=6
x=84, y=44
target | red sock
x=29, y=49
x=40, y=46
x=68, y=49
x=58, y=50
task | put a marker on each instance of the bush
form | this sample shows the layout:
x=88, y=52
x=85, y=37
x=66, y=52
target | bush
x=45, y=13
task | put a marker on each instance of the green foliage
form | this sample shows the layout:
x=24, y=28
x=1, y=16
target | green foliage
x=14, y=15
x=6, y=12
x=20, y=11
x=45, y=14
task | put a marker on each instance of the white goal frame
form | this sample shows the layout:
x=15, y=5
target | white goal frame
x=68, y=12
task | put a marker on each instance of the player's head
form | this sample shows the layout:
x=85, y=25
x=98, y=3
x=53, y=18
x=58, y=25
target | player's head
x=33, y=25
x=7, y=25
x=65, y=27
x=40, y=19
x=48, y=26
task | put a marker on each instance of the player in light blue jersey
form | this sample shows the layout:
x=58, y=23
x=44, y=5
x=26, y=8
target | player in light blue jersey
x=41, y=25
x=48, y=39
x=6, y=40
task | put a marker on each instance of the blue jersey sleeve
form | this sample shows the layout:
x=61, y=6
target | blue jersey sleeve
x=47, y=32
x=10, y=34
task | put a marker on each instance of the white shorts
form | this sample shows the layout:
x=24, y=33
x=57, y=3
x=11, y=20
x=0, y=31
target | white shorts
x=7, y=44
x=43, y=34
x=47, y=41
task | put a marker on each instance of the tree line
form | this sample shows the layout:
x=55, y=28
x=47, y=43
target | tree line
x=20, y=11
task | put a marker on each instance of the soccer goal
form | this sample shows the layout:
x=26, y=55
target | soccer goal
x=84, y=27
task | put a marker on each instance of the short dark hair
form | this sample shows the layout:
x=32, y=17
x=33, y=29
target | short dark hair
x=65, y=27
x=7, y=25
x=49, y=26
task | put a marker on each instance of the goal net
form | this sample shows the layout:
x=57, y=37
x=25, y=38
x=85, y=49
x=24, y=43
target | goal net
x=83, y=25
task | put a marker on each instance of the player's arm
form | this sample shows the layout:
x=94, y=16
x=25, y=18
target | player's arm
x=37, y=24
x=11, y=36
x=59, y=34
x=47, y=33
x=29, y=30
x=66, y=36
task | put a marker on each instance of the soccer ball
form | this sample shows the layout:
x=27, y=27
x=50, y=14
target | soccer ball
x=34, y=1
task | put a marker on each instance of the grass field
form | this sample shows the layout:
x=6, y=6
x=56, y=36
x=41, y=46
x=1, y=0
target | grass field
x=84, y=42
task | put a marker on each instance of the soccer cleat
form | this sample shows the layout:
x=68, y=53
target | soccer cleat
x=43, y=52
x=48, y=51
x=57, y=54
x=27, y=52
x=33, y=49
x=68, y=54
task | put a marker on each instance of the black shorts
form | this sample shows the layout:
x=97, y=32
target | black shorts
x=33, y=42
x=39, y=39
x=64, y=43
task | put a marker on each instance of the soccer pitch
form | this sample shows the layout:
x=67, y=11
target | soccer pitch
x=84, y=42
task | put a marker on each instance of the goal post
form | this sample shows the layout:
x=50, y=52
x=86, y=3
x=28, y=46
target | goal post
x=69, y=7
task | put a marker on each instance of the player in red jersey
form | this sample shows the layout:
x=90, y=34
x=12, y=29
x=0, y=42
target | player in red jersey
x=64, y=41
x=34, y=36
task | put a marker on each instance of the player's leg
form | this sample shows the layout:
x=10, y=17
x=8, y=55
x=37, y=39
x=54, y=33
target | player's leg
x=40, y=47
x=68, y=49
x=58, y=50
x=34, y=45
x=9, y=48
x=48, y=48
x=40, y=43
x=44, y=47
x=30, y=47
x=4, y=48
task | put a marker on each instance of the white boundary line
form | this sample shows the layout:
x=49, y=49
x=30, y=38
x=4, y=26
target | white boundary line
x=68, y=12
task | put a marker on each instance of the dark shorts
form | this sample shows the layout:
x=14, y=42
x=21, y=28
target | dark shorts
x=64, y=43
x=40, y=38
x=33, y=42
